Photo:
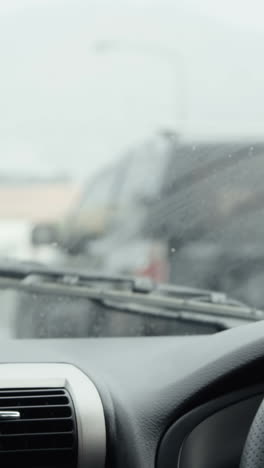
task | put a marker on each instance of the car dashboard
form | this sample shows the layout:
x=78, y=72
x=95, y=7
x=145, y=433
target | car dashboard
x=162, y=402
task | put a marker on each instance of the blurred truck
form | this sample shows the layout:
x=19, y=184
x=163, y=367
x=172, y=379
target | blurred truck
x=87, y=219
x=198, y=226
x=120, y=194
x=174, y=211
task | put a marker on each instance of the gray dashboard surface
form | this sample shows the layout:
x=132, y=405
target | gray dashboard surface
x=147, y=383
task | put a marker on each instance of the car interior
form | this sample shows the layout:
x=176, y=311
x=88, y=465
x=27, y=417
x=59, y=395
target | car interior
x=131, y=234
x=167, y=402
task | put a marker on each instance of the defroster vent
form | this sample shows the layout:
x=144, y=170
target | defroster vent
x=37, y=428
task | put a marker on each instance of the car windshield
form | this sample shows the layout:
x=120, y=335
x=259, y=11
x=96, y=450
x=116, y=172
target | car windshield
x=132, y=145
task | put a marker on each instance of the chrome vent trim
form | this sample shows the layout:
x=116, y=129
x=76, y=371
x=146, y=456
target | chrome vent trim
x=37, y=426
x=59, y=384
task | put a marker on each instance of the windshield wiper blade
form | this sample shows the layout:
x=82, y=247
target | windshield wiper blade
x=56, y=282
x=204, y=295
x=22, y=270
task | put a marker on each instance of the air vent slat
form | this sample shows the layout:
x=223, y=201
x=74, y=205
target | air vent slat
x=19, y=421
x=33, y=434
x=38, y=425
x=22, y=392
x=38, y=441
x=41, y=412
x=59, y=450
x=47, y=426
x=38, y=400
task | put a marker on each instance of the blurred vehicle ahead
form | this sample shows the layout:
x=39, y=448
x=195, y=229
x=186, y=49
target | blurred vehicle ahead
x=167, y=239
x=210, y=216
x=174, y=212
x=87, y=219
x=119, y=190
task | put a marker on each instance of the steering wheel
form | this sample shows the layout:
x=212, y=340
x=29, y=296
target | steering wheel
x=253, y=453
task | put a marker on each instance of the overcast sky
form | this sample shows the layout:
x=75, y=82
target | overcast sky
x=193, y=65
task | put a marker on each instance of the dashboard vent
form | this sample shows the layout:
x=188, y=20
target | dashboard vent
x=37, y=428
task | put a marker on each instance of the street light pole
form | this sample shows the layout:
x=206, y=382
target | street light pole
x=162, y=53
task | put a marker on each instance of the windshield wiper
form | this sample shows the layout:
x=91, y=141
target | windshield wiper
x=21, y=270
x=123, y=291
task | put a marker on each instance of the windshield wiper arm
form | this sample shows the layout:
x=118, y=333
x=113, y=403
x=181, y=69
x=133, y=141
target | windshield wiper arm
x=44, y=280
x=204, y=295
x=21, y=270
